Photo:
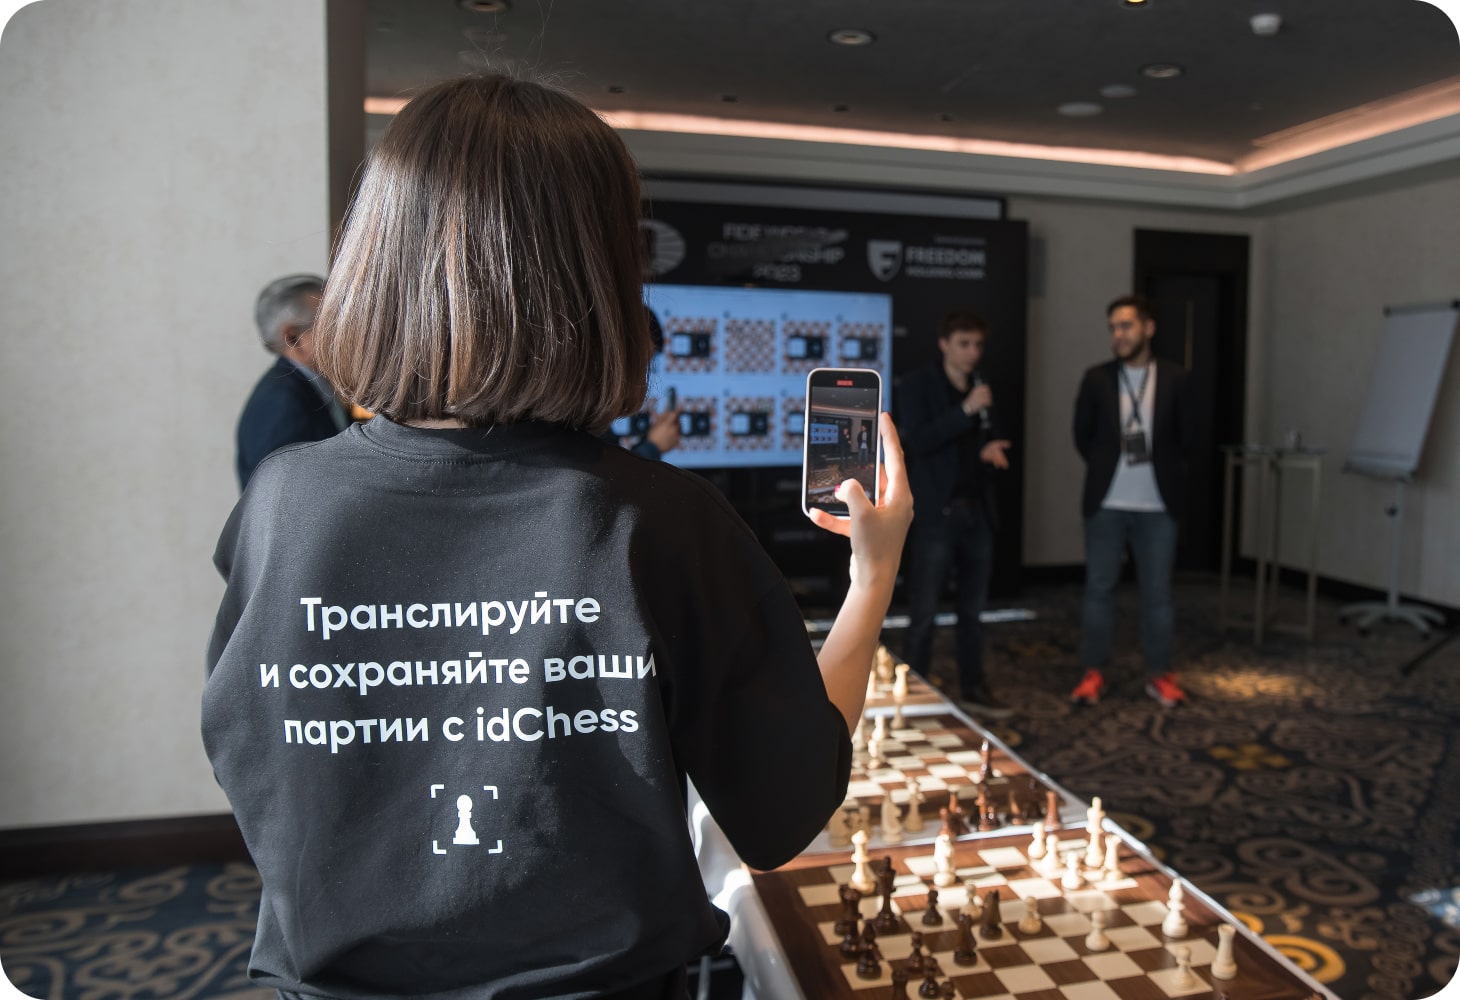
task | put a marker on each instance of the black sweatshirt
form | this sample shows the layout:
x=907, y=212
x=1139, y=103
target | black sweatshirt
x=456, y=682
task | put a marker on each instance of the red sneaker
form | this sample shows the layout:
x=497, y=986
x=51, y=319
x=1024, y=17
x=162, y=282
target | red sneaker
x=1164, y=690
x=1090, y=688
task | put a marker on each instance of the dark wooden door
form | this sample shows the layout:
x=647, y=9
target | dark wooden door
x=1197, y=283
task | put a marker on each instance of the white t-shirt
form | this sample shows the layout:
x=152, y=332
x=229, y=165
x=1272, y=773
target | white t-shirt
x=1134, y=486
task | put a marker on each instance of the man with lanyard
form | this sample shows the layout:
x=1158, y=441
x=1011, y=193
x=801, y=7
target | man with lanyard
x=1133, y=429
x=947, y=428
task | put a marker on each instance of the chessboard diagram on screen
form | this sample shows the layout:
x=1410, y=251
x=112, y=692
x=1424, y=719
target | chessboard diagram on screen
x=729, y=344
x=793, y=420
x=1014, y=917
x=750, y=423
x=859, y=345
x=698, y=425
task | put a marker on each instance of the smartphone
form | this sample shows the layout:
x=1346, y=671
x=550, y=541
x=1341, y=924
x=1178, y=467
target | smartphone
x=839, y=439
x=672, y=399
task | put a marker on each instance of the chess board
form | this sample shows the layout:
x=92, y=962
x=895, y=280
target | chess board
x=939, y=752
x=919, y=692
x=801, y=901
x=750, y=345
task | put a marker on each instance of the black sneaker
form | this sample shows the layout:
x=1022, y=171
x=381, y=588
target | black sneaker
x=980, y=701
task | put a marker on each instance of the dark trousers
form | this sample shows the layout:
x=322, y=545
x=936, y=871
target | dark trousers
x=1151, y=536
x=959, y=537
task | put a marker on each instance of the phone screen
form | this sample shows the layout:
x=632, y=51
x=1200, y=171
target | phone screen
x=840, y=439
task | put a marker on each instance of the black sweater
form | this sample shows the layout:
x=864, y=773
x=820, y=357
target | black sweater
x=522, y=637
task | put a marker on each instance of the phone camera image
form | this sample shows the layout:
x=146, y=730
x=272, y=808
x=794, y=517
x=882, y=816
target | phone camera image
x=840, y=435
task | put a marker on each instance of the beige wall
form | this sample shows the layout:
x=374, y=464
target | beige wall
x=163, y=160
x=1332, y=269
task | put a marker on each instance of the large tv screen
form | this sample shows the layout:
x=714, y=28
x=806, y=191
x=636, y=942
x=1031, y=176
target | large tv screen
x=736, y=360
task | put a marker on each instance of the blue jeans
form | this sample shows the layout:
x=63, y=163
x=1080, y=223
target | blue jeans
x=1151, y=536
x=961, y=536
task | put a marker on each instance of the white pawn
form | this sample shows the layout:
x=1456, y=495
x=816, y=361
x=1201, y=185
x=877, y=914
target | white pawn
x=1112, y=859
x=1224, y=965
x=1073, y=879
x=1036, y=849
x=899, y=686
x=1095, y=815
x=1051, y=864
x=974, y=906
x=1096, y=939
x=891, y=819
x=1095, y=853
x=861, y=879
x=1030, y=923
x=1174, y=926
x=1183, y=977
x=838, y=830
x=943, y=861
x=915, y=798
x=898, y=722
x=879, y=729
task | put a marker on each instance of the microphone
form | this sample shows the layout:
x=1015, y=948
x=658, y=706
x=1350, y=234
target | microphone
x=983, y=414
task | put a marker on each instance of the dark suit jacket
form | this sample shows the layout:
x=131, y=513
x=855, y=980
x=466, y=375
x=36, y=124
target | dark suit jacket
x=1097, y=433
x=930, y=430
x=283, y=409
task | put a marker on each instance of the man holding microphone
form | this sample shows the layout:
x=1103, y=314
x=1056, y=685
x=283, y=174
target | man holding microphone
x=946, y=422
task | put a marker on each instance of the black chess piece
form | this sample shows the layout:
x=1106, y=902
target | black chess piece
x=850, y=897
x=868, y=967
x=950, y=992
x=1051, y=811
x=930, y=988
x=1016, y=811
x=914, y=961
x=986, y=819
x=985, y=766
x=965, y=953
x=991, y=930
x=851, y=943
x=957, y=818
x=886, y=919
x=899, y=985
x=931, y=916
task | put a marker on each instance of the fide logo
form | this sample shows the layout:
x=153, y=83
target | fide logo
x=665, y=247
x=884, y=257
x=464, y=832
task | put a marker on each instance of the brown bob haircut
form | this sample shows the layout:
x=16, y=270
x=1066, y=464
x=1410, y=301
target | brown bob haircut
x=490, y=268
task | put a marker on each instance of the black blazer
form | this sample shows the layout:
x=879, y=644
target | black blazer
x=284, y=409
x=1097, y=433
x=930, y=430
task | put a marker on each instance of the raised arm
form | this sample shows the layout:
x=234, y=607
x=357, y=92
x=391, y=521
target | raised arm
x=876, y=534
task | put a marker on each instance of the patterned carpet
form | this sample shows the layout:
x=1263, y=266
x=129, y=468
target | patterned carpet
x=1311, y=788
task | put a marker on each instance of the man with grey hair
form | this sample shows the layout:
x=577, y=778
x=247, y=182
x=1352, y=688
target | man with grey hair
x=291, y=403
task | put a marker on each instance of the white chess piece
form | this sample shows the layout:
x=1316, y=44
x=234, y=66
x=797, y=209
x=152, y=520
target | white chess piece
x=1111, y=867
x=915, y=798
x=898, y=722
x=974, y=906
x=1036, y=849
x=838, y=830
x=861, y=879
x=899, y=686
x=864, y=820
x=1184, y=976
x=859, y=735
x=1174, y=926
x=1095, y=815
x=1224, y=965
x=879, y=729
x=943, y=861
x=883, y=661
x=1095, y=853
x=464, y=835
x=1073, y=879
x=891, y=819
x=1030, y=923
x=871, y=684
x=1051, y=864
x=1096, y=939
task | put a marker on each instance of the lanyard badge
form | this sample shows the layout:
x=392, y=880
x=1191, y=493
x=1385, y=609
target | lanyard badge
x=1133, y=438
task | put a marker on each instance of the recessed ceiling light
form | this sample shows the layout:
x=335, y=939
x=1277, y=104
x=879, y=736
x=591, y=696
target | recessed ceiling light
x=1080, y=109
x=1162, y=71
x=486, y=6
x=1117, y=90
x=1135, y=3
x=851, y=36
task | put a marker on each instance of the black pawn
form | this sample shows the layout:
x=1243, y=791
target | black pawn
x=965, y=953
x=899, y=985
x=867, y=965
x=930, y=988
x=931, y=916
x=914, y=960
x=851, y=945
